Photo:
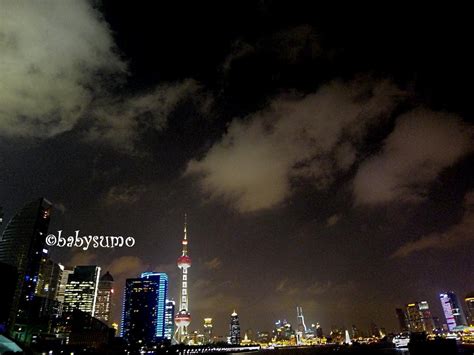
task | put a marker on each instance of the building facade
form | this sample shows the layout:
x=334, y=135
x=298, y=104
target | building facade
x=469, y=300
x=65, y=272
x=144, y=309
x=419, y=317
x=169, y=319
x=23, y=246
x=49, y=278
x=402, y=319
x=207, y=325
x=452, y=310
x=104, y=298
x=234, y=331
x=82, y=289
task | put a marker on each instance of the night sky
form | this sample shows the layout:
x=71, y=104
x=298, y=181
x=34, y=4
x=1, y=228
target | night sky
x=324, y=157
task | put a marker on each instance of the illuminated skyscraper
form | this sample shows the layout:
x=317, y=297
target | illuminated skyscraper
x=49, y=278
x=65, y=272
x=207, y=330
x=104, y=298
x=301, y=328
x=139, y=312
x=419, y=317
x=470, y=308
x=169, y=319
x=81, y=289
x=144, y=311
x=183, y=317
x=22, y=246
x=234, y=333
x=402, y=319
x=161, y=280
x=452, y=310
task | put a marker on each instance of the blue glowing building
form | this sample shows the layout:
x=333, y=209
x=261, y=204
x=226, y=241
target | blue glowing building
x=144, y=309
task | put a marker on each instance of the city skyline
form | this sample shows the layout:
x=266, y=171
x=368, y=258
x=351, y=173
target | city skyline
x=88, y=289
x=324, y=159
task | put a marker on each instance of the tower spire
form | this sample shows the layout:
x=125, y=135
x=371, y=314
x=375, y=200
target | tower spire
x=185, y=225
x=185, y=239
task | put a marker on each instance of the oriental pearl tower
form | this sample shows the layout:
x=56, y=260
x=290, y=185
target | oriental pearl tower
x=183, y=317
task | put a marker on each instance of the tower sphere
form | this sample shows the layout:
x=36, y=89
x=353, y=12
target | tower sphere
x=184, y=262
x=182, y=319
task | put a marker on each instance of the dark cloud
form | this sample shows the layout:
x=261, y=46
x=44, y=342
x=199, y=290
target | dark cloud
x=459, y=234
x=288, y=46
x=127, y=267
x=214, y=264
x=118, y=120
x=81, y=257
x=294, y=45
x=422, y=144
x=309, y=137
x=332, y=220
x=124, y=194
x=60, y=207
x=239, y=50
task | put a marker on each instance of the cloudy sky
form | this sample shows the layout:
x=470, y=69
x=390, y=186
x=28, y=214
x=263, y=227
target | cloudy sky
x=324, y=158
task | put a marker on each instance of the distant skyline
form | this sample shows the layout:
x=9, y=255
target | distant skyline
x=324, y=158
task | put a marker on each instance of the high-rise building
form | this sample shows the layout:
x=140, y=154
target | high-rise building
x=22, y=246
x=81, y=289
x=414, y=317
x=234, y=331
x=183, y=317
x=49, y=278
x=169, y=319
x=65, y=272
x=46, y=307
x=419, y=317
x=264, y=337
x=283, y=331
x=139, y=312
x=469, y=299
x=161, y=280
x=452, y=310
x=426, y=317
x=402, y=319
x=319, y=331
x=301, y=328
x=104, y=298
x=144, y=310
x=207, y=325
x=355, y=332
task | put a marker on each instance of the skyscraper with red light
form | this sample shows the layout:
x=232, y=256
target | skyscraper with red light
x=183, y=317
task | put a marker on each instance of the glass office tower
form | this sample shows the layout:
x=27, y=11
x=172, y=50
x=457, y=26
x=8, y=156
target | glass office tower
x=23, y=246
x=144, y=309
